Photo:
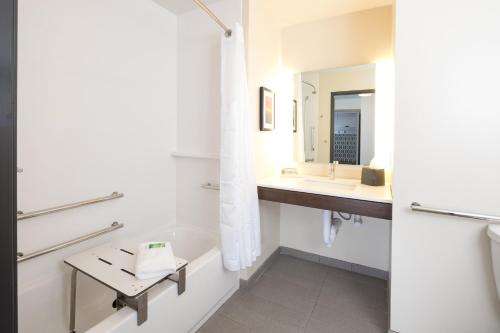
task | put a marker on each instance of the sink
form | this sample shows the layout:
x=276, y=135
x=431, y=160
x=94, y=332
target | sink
x=328, y=184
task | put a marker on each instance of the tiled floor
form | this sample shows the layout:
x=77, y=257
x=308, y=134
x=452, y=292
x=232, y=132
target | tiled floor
x=295, y=295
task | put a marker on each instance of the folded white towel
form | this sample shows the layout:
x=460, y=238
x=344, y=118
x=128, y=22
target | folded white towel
x=154, y=259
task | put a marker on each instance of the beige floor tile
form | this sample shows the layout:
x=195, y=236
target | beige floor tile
x=300, y=268
x=350, y=317
x=296, y=296
x=316, y=326
x=221, y=324
x=290, y=295
x=256, y=312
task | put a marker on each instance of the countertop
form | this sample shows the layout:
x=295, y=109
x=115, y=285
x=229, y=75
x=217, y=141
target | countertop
x=338, y=187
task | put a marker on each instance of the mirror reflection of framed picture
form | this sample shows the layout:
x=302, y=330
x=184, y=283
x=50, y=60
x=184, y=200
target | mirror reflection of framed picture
x=266, y=109
x=294, y=116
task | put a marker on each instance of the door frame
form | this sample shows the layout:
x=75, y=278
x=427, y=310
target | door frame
x=8, y=165
x=332, y=115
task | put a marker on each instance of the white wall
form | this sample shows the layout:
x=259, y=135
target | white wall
x=96, y=114
x=368, y=244
x=357, y=38
x=274, y=149
x=347, y=102
x=446, y=63
x=198, y=119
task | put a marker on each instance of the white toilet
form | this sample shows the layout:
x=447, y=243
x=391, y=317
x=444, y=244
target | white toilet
x=494, y=234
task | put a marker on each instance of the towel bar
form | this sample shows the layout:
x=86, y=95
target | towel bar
x=21, y=257
x=211, y=186
x=415, y=206
x=23, y=216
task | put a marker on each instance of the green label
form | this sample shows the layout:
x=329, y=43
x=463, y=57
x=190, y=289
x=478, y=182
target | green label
x=156, y=245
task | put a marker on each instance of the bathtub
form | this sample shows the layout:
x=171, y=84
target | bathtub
x=208, y=285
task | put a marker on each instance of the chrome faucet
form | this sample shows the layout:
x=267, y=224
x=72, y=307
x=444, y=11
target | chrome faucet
x=331, y=169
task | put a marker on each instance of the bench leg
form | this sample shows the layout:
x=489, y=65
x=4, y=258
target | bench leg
x=142, y=309
x=72, y=302
x=139, y=304
x=181, y=284
x=180, y=279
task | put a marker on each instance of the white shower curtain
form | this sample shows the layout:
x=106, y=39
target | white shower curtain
x=239, y=205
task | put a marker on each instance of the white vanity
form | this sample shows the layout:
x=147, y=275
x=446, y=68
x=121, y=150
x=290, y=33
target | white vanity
x=344, y=195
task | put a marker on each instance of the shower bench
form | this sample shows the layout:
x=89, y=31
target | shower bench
x=113, y=265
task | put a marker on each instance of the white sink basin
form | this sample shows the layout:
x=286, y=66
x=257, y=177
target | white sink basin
x=338, y=187
x=328, y=184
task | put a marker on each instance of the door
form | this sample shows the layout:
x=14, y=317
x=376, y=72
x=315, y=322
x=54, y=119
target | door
x=447, y=155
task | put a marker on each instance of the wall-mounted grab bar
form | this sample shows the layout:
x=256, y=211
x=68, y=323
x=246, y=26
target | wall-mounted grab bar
x=21, y=257
x=210, y=186
x=23, y=216
x=488, y=218
x=313, y=138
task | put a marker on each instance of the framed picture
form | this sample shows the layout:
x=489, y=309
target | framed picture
x=266, y=109
x=294, y=116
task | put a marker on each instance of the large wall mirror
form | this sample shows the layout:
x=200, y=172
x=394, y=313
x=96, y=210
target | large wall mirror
x=337, y=114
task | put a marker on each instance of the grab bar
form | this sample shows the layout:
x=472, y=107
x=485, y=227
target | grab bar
x=23, y=216
x=415, y=206
x=313, y=138
x=210, y=186
x=21, y=257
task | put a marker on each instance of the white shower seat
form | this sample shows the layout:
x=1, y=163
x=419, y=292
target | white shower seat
x=112, y=265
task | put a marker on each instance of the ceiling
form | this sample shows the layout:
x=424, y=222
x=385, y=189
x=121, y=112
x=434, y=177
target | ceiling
x=292, y=12
x=181, y=6
x=289, y=12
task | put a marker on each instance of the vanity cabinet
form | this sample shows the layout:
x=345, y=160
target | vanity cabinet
x=343, y=195
x=379, y=210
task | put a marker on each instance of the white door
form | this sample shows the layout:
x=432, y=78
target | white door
x=447, y=155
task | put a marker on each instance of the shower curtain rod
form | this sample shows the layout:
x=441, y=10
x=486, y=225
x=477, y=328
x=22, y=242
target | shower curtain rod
x=227, y=31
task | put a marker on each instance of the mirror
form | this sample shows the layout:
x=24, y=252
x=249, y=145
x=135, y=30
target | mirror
x=336, y=109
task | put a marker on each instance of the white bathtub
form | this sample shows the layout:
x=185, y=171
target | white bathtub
x=208, y=285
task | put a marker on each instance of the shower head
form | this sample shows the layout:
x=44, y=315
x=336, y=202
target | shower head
x=311, y=85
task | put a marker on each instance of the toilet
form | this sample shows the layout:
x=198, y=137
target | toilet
x=494, y=234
